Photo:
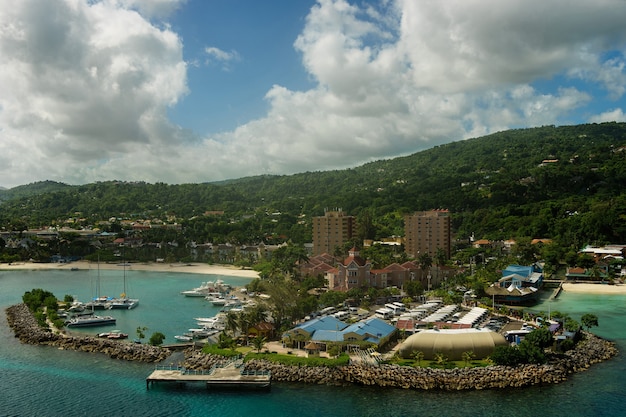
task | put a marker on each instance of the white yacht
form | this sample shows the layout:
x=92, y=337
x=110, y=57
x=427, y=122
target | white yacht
x=202, y=291
x=90, y=321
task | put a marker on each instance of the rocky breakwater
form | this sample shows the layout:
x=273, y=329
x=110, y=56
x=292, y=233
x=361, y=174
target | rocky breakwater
x=591, y=350
x=26, y=328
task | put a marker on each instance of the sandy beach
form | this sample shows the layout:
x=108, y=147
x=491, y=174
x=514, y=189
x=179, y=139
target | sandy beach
x=192, y=268
x=594, y=288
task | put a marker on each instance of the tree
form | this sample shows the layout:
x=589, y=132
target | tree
x=419, y=357
x=425, y=261
x=589, y=320
x=224, y=341
x=413, y=288
x=440, y=257
x=332, y=298
x=141, y=333
x=531, y=352
x=468, y=356
x=541, y=338
x=232, y=322
x=258, y=342
x=157, y=339
x=507, y=356
x=571, y=325
x=441, y=359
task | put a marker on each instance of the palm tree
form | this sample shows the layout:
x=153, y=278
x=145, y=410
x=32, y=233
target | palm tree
x=441, y=359
x=244, y=321
x=468, y=356
x=425, y=262
x=419, y=357
x=258, y=342
x=141, y=332
x=232, y=322
x=224, y=341
x=440, y=259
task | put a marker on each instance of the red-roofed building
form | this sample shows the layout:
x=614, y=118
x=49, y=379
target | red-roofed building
x=354, y=272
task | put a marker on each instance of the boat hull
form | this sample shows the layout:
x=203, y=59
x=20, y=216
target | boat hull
x=91, y=321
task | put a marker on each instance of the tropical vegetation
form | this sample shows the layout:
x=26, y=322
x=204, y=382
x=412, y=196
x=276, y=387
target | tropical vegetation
x=564, y=183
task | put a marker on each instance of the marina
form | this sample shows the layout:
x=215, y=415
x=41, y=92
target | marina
x=119, y=384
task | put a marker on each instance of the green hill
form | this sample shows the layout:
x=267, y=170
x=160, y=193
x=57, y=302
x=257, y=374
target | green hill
x=559, y=182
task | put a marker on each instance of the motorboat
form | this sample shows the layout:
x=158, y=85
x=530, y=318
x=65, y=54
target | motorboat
x=113, y=334
x=203, y=290
x=202, y=333
x=90, y=321
x=217, y=299
x=184, y=338
x=123, y=303
x=217, y=323
x=194, y=293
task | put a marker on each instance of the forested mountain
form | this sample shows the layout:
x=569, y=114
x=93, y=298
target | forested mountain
x=31, y=189
x=564, y=183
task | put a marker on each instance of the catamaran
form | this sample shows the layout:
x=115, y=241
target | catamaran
x=123, y=302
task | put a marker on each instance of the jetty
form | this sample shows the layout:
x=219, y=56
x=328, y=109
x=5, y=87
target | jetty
x=230, y=374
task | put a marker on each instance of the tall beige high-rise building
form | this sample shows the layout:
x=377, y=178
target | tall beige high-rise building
x=332, y=229
x=427, y=231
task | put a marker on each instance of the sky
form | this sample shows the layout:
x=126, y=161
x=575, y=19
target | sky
x=191, y=91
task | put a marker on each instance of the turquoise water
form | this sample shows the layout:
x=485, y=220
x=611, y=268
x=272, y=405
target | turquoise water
x=44, y=381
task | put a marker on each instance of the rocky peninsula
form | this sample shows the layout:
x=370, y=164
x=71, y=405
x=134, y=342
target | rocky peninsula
x=26, y=328
x=589, y=351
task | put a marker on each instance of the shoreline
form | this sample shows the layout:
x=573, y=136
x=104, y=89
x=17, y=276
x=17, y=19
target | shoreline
x=191, y=268
x=585, y=288
x=589, y=351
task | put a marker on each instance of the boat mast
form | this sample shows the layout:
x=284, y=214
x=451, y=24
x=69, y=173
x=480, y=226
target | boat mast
x=124, y=266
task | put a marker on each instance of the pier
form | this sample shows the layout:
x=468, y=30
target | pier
x=228, y=375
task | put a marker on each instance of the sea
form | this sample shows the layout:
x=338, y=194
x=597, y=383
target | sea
x=46, y=381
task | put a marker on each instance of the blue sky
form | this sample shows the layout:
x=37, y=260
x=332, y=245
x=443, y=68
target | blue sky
x=231, y=93
x=181, y=91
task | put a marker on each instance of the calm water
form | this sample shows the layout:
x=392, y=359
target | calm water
x=43, y=381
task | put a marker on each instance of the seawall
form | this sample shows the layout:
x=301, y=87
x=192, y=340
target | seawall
x=589, y=351
x=26, y=328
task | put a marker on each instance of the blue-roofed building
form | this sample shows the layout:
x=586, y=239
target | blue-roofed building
x=305, y=331
x=373, y=330
x=328, y=329
x=519, y=285
x=522, y=276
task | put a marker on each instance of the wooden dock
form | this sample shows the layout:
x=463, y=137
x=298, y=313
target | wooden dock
x=229, y=375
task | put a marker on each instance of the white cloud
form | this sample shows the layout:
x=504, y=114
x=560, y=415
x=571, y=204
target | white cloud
x=150, y=8
x=82, y=84
x=217, y=55
x=615, y=115
x=85, y=86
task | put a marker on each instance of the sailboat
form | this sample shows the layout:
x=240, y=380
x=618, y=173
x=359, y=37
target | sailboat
x=99, y=302
x=123, y=302
x=90, y=320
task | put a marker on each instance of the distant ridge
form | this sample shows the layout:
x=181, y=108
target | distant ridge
x=35, y=188
x=536, y=182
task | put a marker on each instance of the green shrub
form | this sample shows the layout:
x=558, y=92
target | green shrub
x=342, y=360
x=215, y=350
x=507, y=356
